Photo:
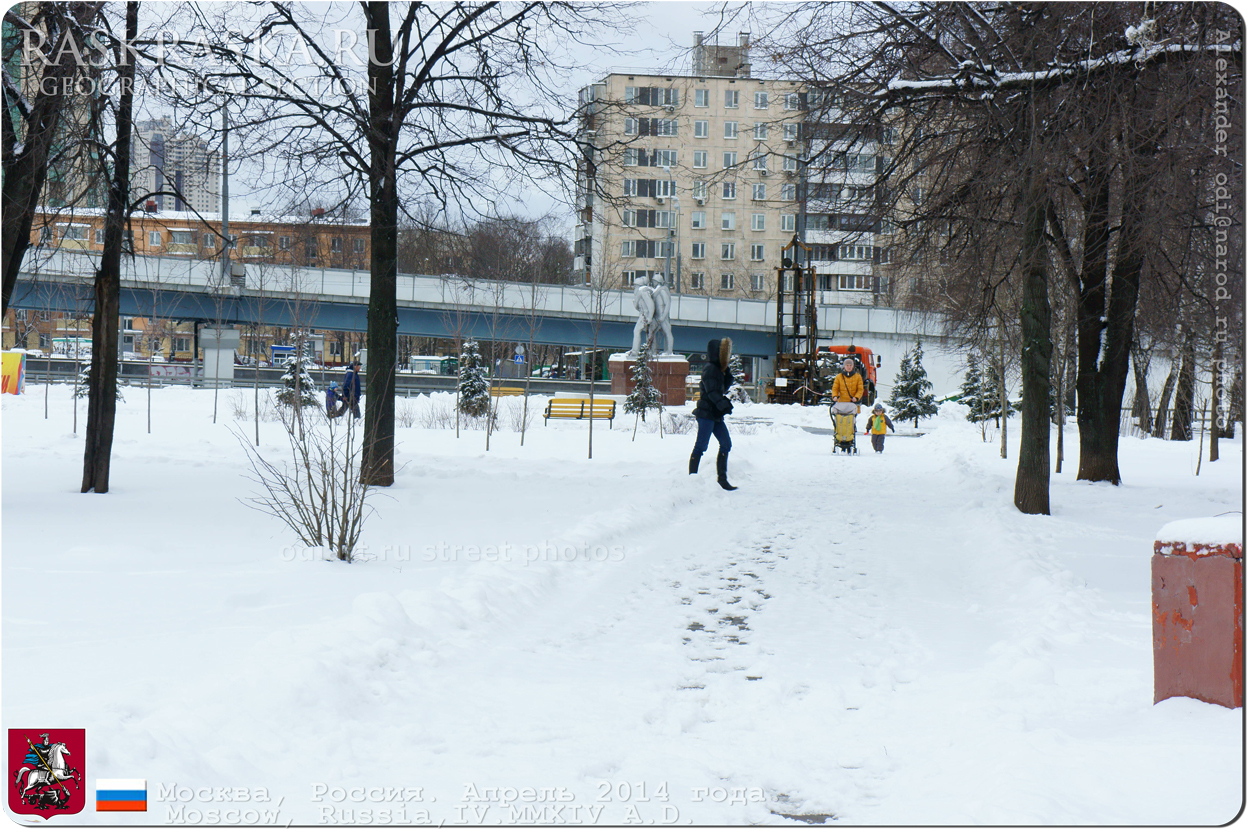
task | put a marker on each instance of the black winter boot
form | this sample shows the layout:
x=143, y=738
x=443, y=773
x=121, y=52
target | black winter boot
x=722, y=463
x=694, y=463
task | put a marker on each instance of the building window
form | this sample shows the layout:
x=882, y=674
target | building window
x=759, y=192
x=336, y=244
x=154, y=239
x=99, y=236
x=787, y=222
x=182, y=344
x=791, y=163
x=789, y=192
x=729, y=159
x=885, y=255
x=757, y=222
x=631, y=126
x=757, y=251
x=700, y=158
x=731, y=130
x=700, y=129
x=761, y=131
x=727, y=251
x=627, y=248
x=855, y=282
x=45, y=315
x=792, y=101
x=698, y=251
x=700, y=190
x=727, y=221
x=74, y=232
x=726, y=281
x=359, y=245
x=284, y=243
x=310, y=246
x=759, y=161
x=182, y=238
x=696, y=280
x=731, y=99
x=698, y=219
x=757, y=283
x=701, y=98
x=888, y=135
x=855, y=252
x=761, y=101
x=729, y=190
x=790, y=132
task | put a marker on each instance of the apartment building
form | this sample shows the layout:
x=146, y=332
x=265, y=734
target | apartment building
x=703, y=179
x=166, y=159
x=316, y=240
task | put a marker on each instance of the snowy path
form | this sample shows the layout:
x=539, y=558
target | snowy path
x=867, y=640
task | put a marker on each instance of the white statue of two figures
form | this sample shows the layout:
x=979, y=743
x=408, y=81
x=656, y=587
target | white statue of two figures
x=652, y=300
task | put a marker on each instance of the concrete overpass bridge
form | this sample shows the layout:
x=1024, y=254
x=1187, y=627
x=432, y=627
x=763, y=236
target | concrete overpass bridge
x=438, y=306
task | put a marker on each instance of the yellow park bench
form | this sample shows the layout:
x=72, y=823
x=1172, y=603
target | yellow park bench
x=580, y=409
x=507, y=391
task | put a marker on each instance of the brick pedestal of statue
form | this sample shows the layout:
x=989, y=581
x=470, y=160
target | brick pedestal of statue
x=668, y=375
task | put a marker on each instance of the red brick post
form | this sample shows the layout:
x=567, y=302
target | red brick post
x=1197, y=580
x=668, y=375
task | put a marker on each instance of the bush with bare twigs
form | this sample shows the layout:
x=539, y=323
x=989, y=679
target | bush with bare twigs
x=315, y=488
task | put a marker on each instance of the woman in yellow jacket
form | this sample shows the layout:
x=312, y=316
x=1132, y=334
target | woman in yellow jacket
x=847, y=385
x=877, y=423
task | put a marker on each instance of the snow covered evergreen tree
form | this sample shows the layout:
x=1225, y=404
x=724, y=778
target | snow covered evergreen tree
x=644, y=396
x=83, y=387
x=980, y=392
x=474, y=386
x=737, y=393
x=296, y=367
x=912, y=396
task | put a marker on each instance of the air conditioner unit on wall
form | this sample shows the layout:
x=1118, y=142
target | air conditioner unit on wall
x=700, y=200
x=660, y=199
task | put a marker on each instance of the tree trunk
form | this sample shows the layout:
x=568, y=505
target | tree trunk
x=1105, y=335
x=1236, y=400
x=102, y=395
x=1141, y=396
x=1183, y=412
x=1004, y=406
x=1217, y=392
x=377, y=465
x=1032, y=495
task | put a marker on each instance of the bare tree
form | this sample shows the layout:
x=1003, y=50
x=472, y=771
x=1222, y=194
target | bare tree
x=444, y=100
x=52, y=52
x=102, y=402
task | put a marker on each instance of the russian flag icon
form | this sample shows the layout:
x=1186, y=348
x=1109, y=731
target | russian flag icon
x=121, y=795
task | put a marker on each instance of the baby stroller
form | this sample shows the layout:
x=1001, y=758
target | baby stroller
x=842, y=414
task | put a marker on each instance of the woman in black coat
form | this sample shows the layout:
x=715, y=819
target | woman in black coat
x=712, y=408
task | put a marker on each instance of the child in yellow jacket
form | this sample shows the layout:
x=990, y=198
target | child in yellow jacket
x=877, y=423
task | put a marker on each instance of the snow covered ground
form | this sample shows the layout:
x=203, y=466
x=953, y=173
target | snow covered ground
x=533, y=636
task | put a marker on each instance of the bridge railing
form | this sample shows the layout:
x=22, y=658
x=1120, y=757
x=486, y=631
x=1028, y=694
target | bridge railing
x=182, y=274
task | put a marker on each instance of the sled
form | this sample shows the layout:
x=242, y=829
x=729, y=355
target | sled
x=842, y=414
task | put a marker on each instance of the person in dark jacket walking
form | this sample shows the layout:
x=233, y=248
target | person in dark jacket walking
x=712, y=408
x=351, y=389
